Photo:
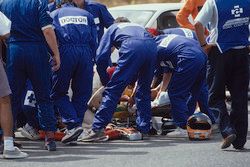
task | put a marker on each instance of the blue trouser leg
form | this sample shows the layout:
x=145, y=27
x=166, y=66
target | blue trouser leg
x=16, y=72
x=202, y=100
x=134, y=54
x=143, y=97
x=40, y=77
x=182, y=83
x=76, y=64
x=143, y=92
x=29, y=106
x=28, y=60
x=82, y=83
x=61, y=83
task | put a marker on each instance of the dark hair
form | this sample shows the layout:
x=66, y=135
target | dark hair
x=122, y=20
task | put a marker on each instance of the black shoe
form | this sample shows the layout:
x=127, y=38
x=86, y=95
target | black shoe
x=152, y=132
x=18, y=145
x=239, y=147
x=228, y=141
x=50, y=145
x=1, y=147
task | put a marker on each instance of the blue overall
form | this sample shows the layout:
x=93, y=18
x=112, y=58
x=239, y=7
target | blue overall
x=102, y=17
x=28, y=56
x=29, y=106
x=52, y=6
x=137, y=57
x=76, y=34
x=203, y=97
x=187, y=61
x=228, y=67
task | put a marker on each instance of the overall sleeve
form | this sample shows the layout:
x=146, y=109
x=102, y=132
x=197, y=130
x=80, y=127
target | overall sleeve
x=107, y=18
x=93, y=41
x=103, y=57
x=45, y=20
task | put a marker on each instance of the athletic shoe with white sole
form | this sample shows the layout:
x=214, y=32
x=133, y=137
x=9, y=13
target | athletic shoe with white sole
x=29, y=132
x=84, y=133
x=72, y=135
x=94, y=136
x=15, y=154
x=178, y=133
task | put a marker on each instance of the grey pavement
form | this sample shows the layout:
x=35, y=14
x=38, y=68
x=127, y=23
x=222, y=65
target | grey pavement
x=157, y=151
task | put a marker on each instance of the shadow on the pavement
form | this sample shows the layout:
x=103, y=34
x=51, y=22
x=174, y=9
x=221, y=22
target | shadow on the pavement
x=240, y=151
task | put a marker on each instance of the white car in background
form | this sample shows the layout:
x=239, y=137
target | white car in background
x=154, y=15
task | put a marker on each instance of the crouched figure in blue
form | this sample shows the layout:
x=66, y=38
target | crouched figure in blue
x=185, y=63
x=203, y=96
x=137, y=57
x=76, y=33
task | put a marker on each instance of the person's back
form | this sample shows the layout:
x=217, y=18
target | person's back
x=27, y=19
x=180, y=31
x=123, y=31
x=74, y=26
x=184, y=63
x=175, y=47
x=77, y=37
x=117, y=35
x=102, y=17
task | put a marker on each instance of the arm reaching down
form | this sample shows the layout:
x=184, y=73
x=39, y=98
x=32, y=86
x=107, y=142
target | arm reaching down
x=50, y=37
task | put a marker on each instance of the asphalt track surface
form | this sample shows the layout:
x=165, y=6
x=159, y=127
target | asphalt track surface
x=158, y=151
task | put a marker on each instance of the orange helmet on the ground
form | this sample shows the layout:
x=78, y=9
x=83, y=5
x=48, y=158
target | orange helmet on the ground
x=199, y=126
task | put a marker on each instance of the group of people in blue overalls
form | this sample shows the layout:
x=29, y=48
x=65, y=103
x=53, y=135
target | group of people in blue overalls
x=79, y=28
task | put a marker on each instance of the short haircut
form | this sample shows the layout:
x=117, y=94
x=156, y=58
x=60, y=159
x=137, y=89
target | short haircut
x=122, y=20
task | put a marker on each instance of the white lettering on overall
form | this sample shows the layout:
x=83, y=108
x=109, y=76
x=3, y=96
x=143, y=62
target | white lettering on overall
x=73, y=20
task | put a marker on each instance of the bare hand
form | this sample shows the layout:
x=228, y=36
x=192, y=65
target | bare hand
x=154, y=93
x=207, y=48
x=131, y=101
x=56, y=62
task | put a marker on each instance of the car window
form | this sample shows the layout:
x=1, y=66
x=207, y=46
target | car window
x=167, y=20
x=139, y=17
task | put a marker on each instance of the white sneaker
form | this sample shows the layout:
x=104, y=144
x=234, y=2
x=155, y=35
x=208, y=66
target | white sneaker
x=15, y=154
x=71, y=135
x=29, y=132
x=178, y=133
x=84, y=134
x=95, y=136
